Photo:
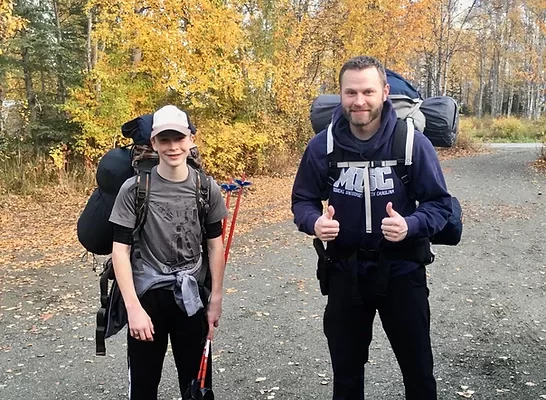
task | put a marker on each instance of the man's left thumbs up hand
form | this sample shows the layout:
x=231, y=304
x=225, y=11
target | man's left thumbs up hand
x=394, y=227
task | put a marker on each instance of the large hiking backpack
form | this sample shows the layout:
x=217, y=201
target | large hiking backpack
x=402, y=159
x=436, y=117
x=114, y=168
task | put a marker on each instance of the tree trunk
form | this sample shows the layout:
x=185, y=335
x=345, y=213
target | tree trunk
x=31, y=98
x=530, y=98
x=2, y=97
x=480, y=80
x=90, y=57
x=494, y=83
x=502, y=76
x=510, y=101
x=61, y=87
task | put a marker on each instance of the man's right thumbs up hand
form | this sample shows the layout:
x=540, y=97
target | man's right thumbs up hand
x=326, y=227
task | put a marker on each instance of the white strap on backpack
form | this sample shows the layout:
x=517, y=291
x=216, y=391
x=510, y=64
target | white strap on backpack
x=366, y=165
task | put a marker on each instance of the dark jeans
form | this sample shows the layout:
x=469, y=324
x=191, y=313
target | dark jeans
x=405, y=315
x=188, y=335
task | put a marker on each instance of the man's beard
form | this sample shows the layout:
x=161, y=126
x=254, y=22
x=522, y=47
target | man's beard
x=372, y=116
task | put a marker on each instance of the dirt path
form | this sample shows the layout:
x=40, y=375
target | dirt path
x=487, y=300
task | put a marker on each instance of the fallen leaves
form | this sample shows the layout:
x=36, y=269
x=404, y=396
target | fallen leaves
x=40, y=229
x=46, y=316
x=466, y=393
x=266, y=201
x=457, y=152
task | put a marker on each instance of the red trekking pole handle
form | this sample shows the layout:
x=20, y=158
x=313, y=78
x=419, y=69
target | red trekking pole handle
x=242, y=183
x=229, y=188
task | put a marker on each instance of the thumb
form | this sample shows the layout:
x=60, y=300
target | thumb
x=330, y=213
x=390, y=210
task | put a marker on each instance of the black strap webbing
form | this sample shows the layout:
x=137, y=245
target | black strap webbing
x=202, y=194
x=106, y=275
x=141, y=212
x=399, y=151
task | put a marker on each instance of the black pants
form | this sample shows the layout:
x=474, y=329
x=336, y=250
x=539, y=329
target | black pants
x=405, y=315
x=188, y=336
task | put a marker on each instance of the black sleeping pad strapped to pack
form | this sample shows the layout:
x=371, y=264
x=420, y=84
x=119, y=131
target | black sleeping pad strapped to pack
x=442, y=115
x=95, y=218
x=114, y=169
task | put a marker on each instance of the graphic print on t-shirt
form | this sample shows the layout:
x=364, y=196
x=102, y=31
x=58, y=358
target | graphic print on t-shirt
x=181, y=230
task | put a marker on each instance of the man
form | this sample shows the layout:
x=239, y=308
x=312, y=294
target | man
x=373, y=229
x=163, y=298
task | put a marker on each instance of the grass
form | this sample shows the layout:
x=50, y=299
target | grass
x=26, y=175
x=504, y=130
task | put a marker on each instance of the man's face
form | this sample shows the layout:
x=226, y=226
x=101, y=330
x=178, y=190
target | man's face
x=172, y=147
x=362, y=96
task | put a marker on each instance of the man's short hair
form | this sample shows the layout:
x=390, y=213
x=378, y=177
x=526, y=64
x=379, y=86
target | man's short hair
x=363, y=62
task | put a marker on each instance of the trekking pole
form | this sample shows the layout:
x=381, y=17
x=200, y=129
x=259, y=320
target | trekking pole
x=204, y=364
x=242, y=184
x=197, y=390
x=228, y=187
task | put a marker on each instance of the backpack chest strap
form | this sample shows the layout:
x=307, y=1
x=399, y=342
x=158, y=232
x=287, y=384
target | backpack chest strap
x=366, y=164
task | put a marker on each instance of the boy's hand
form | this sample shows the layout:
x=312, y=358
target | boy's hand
x=140, y=324
x=214, y=311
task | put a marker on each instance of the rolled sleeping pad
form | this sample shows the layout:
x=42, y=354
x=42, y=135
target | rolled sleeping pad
x=321, y=111
x=114, y=169
x=95, y=231
x=442, y=115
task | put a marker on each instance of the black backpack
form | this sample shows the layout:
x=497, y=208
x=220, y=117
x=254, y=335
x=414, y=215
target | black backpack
x=95, y=232
x=402, y=148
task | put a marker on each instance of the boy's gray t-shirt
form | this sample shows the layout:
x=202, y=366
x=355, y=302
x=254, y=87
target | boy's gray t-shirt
x=171, y=236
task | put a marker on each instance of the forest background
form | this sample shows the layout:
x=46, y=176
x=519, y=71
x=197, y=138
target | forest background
x=73, y=71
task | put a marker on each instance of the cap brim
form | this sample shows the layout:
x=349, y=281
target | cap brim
x=170, y=128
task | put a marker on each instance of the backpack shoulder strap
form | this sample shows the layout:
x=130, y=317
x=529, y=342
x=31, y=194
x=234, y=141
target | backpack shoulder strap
x=402, y=152
x=335, y=155
x=402, y=148
x=141, y=211
x=142, y=198
x=202, y=196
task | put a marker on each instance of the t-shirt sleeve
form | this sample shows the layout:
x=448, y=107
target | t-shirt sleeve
x=218, y=210
x=123, y=212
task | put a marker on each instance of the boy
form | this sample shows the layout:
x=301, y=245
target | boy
x=162, y=297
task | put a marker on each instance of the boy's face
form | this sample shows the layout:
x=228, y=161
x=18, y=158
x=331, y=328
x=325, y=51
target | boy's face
x=172, y=147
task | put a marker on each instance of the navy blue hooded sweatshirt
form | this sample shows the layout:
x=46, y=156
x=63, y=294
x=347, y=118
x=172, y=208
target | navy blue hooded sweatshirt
x=346, y=194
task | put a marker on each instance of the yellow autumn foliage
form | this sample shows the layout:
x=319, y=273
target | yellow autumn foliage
x=9, y=23
x=239, y=69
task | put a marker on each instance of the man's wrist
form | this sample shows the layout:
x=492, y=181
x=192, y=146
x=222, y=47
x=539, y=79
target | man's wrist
x=311, y=224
